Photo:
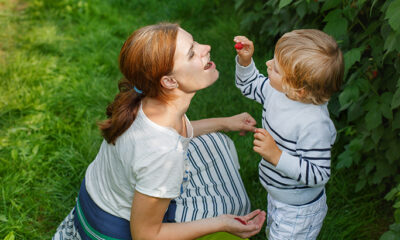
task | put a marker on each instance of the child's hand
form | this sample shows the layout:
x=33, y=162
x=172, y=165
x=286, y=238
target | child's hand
x=243, y=123
x=265, y=145
x=246, y=52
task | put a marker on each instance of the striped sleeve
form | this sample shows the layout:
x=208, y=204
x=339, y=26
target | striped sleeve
x=312, y=164
x=251, y=83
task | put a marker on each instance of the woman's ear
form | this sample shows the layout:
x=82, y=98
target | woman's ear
x=169, y=82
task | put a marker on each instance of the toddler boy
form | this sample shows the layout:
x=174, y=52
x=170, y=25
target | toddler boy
x=297, y=135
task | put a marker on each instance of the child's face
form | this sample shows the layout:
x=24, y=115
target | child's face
x=274, y=74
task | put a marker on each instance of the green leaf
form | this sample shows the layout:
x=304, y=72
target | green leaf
x=354, y=111
x=3, y=218
x=389, y=235
x=361, y=3
x=372, y=7
x=383, y=169
x=360, y=185
x=397, y=205
x=369, y=166
x=395, y=226
x=283, y=3
x=350, y=57
x=363, y=84
x=373, y=119
x=238, y=4
x=348, y=95
x=393, y=152
x=390, y=195
x=396, y=121
x=396, y=98
x=345, y=159
x=397, y=216
x=330, y=4
x=386, y=111
x=393, y=16
x=14, y=154
x=10, y=236
x=377, y=133
x=301, y=9
x=35, y=150
x=392, y=42
x=356, y=145
x=336, y=24
x=386, y=99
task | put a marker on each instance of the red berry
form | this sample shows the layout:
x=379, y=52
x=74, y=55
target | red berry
x=238, y=46
x=374, y=73
x=238, y=219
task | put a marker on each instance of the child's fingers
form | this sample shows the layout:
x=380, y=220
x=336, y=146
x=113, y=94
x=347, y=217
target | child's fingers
x=241, y=42
x=257, y=149
x=262, y=131
x=240, y=39
x=259, y=136
x=257, y=143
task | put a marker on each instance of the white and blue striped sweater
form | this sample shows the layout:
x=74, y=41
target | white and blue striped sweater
x=304, y=132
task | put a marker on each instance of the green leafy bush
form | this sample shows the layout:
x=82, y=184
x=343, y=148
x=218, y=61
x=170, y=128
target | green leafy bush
x=366, y=111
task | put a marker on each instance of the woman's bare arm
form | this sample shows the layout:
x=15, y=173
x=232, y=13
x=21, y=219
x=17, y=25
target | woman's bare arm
x=243, y=122
x=147, y=214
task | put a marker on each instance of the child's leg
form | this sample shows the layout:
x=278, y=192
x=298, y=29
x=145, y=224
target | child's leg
x=295, y=222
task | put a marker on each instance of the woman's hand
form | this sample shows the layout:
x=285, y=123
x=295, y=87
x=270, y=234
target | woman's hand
x=246, y=52
x=242, y=122
x=253, y=223
x=265, y=145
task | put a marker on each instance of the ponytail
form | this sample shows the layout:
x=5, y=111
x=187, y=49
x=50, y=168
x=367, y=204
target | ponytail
x=121, y=112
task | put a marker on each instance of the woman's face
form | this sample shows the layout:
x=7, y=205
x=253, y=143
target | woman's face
x=193, y=68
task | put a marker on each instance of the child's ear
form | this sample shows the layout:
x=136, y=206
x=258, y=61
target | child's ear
x=302, y=93
x=169, y=82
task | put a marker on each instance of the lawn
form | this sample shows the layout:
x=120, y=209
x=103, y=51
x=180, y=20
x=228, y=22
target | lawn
x=58, y=72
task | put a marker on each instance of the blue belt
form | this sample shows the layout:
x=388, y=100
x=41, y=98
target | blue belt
x=94, y=223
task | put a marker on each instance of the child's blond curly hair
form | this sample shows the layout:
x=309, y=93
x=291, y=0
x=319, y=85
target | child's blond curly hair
x=311, y=64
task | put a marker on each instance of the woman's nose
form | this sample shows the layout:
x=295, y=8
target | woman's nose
x=206, y=49
x=268, y=63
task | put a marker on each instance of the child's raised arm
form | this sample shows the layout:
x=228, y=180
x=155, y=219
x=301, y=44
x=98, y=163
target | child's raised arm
x=245, y=50
x=248, y=79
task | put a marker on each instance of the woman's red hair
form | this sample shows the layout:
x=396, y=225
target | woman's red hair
x=146, y=56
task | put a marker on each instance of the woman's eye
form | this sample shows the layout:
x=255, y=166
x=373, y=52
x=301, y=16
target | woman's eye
x=191, y=54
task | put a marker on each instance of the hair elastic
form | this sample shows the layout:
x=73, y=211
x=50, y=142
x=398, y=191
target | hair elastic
x=137, y=90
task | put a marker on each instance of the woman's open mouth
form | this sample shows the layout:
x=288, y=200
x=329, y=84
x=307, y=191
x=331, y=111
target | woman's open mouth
x=208, y=65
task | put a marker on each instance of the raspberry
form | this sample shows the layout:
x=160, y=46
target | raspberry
x=374, y=74
x=238, y=46
x=238, y=219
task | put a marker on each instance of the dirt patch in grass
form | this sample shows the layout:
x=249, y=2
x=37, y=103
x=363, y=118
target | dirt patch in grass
x=9, y=9
x=13, y=5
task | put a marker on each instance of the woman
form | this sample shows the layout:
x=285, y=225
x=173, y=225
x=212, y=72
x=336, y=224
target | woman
x=142, y=163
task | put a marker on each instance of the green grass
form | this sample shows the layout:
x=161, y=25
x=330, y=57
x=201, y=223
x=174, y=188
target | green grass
x=58, y=72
